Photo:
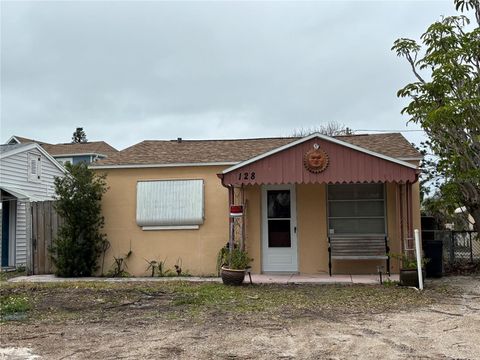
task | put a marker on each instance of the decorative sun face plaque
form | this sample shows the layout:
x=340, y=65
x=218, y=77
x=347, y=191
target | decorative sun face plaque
x=315, y=160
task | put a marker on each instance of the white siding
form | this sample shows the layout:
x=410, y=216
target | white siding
x=1, y=231
x=21, y=234
x=14, y=173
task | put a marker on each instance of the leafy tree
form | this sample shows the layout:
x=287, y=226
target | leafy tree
x=445, y=101
x=331, y=128
x=79, y=136
x=79, y=242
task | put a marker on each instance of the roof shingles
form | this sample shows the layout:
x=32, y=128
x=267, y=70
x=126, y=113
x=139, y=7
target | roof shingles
x=157, y=152
x=93, y=147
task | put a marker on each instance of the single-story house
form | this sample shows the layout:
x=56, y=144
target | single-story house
x=308, y=205
x=73, y=153
x=27, y=174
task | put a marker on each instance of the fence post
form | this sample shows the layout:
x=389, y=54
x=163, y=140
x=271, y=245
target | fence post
x=452, y=247
x=471, y=246
x=418, y=252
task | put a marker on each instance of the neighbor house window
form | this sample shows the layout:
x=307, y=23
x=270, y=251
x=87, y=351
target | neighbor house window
x=64, y=161
x=34, y=167
x=170, y=204
x=356, y=209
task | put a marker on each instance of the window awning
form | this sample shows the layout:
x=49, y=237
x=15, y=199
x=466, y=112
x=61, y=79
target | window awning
x=22, y=195
x=319, y=159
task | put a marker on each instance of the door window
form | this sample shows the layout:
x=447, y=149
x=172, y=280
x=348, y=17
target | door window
x=279, y=218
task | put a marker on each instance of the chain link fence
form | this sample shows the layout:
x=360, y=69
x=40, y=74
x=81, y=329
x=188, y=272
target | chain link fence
x=460, y=248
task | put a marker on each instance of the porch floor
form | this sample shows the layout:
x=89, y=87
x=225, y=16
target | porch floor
x=256, y=278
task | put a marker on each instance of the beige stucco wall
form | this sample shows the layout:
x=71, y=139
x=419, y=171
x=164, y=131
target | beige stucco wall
x=196, y=248
x=312, y=230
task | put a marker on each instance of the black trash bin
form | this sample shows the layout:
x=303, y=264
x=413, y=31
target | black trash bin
x=433, y=250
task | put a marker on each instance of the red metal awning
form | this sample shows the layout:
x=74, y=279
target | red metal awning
x=346, y=164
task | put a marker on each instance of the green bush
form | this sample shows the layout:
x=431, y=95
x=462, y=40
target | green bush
x=79, y=241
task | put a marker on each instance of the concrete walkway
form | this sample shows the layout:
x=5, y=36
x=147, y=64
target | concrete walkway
x=256, y=278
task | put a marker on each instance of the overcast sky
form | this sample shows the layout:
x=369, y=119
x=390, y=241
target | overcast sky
x=129, y=71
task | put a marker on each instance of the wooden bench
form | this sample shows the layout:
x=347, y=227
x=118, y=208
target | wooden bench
x=360, y=247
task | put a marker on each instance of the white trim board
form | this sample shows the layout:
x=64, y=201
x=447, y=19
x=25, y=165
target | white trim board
x=140, y=166
x=79, y=154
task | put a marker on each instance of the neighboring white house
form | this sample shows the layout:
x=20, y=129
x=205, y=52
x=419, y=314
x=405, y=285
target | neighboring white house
x=27, y=174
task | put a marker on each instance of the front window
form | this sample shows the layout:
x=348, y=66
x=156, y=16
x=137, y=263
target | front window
x=356, y=209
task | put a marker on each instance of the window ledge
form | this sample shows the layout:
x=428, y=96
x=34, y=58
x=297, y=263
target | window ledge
x=175, y=227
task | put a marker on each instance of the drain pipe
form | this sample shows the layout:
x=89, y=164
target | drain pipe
x=419, y=259
x=231, y=198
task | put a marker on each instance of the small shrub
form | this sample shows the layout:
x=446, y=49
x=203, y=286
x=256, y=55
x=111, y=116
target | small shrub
x=119, y=266
x=79, y=241
x=408, y=262
x=162, y=270
x=236, y=259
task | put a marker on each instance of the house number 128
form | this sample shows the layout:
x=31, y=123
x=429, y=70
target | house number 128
x=246, y=176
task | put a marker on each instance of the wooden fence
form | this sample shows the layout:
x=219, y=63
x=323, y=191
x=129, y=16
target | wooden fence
x=45, y=225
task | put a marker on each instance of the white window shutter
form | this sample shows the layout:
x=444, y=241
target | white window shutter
x=168, y=203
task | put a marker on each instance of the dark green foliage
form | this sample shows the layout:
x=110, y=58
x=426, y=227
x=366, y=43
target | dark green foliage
x=408, y=262
x=236, y=259
x=445, y=102
x=79, y=136
x=79, y=242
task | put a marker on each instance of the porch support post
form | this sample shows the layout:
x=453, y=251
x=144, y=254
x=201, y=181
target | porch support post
x=230, y=218
x=387, y=250
x=410, y=214
x=329, y=257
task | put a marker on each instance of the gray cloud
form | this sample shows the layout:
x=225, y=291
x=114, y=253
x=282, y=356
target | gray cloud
x=128, y=71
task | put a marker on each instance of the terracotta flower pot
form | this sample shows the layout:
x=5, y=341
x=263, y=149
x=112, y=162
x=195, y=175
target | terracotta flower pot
x=232, y=277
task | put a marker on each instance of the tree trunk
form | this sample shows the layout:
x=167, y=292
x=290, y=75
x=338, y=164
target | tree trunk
x=476, y=217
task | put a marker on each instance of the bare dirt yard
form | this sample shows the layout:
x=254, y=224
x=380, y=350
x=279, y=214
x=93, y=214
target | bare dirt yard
x=182, y=320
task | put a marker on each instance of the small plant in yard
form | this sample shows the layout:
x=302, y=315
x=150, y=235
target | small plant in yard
x=12, y=304
x=232, y=264
x=119, y=266
x=389, y=283
x=159, y=268
x=5, y=275
x=162, y=270
x=178, y=267
x=237, y=259
x=407, y=262
x=409, y=268
x=152, y=265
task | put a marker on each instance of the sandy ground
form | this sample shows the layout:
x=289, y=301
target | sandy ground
x=448, y=329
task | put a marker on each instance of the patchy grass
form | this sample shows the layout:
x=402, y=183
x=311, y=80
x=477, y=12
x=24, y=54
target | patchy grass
x=106, y=301
x=5, y=275
x=13, y=304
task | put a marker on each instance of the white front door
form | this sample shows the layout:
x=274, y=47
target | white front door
x=279, y=230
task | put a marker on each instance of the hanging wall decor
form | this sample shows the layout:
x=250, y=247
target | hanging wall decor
x=315, y=160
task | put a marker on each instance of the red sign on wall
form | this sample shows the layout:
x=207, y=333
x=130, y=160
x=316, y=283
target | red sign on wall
x=236, y=210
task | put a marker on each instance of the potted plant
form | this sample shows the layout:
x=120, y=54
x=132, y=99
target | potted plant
x=409, y=269
x=233, y=264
